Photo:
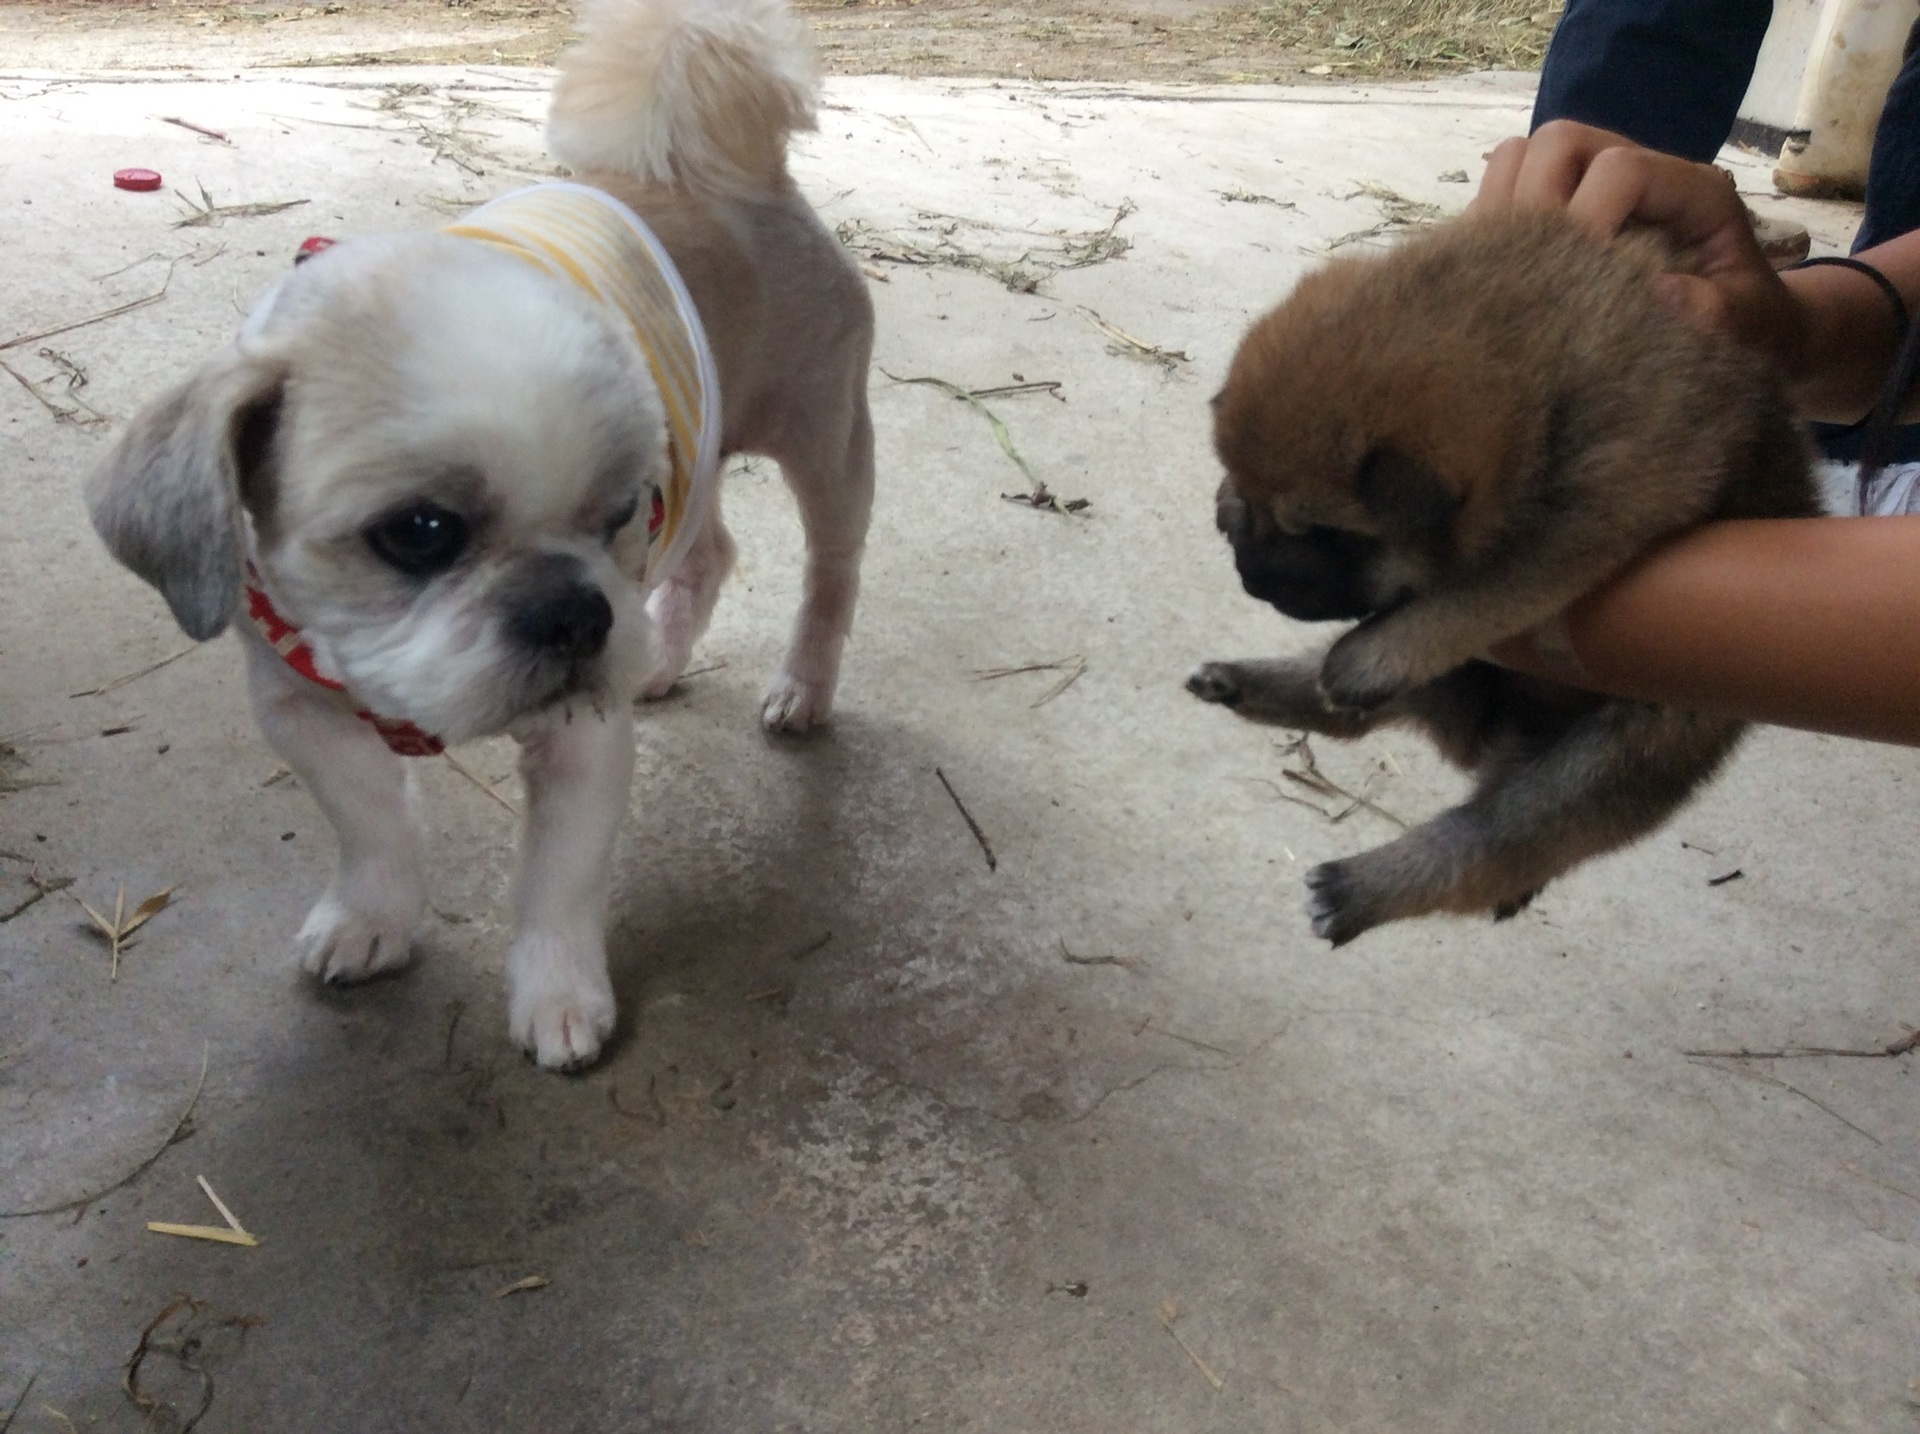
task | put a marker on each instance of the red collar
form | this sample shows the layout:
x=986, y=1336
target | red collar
x=284, y=638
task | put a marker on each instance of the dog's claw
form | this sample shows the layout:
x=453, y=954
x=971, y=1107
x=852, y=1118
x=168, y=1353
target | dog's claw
x=794, y=705
x=342, y=945
x=1216, y=682
x=560, y=1005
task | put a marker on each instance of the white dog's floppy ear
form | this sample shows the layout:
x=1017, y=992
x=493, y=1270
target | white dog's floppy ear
x=168, y=500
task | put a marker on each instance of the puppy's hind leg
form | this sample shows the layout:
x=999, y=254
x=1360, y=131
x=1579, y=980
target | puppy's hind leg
x=681, y=607
x=1284, y=692
x=365, y=923
x=1616, y=775
x=578, y=768
x=831, y=474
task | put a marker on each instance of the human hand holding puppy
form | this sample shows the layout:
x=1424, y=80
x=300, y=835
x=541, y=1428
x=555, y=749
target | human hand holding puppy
x=1805, y=624
x=1831, y=333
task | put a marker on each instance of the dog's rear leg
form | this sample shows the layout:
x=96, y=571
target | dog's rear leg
x=1616, y=775
x=365, y=923
x=681, y=607
x=1283, y=691
x=832, y=481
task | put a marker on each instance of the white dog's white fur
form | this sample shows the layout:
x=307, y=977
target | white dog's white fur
x=425, y=369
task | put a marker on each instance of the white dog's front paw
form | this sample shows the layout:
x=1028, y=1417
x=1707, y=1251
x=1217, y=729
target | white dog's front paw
x=659, y=682
x=342, y=944
x=796, y=703
x=560, y=1002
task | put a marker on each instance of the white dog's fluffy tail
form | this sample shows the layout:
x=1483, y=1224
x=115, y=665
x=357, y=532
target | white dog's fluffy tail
x=701, y=93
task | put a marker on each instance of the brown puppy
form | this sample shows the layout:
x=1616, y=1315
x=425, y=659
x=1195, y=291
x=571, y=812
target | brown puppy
x=1450, y=443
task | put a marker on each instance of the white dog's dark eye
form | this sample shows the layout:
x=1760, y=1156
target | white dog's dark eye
x=421, y=540
x=622, y=516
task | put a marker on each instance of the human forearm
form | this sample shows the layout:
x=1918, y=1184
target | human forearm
x=1806, y=623
x=1839, y=348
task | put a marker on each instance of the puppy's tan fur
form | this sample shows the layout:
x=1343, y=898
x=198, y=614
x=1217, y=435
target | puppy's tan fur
x=1450, y=443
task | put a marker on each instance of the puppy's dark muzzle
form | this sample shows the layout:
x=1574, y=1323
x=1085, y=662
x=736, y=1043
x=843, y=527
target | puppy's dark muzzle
x=1317, y=576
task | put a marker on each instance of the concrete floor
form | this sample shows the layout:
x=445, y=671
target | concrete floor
x=870, y=1153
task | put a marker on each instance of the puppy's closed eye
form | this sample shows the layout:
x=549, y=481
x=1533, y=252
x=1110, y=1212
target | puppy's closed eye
x=622, y=516
x=1406, y=495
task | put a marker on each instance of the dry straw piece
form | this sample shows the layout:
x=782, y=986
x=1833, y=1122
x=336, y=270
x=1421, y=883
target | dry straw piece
x=124, y=924
x=232, y=1234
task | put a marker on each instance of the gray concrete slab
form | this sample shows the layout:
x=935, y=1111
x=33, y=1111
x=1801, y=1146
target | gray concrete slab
x=870, y=1151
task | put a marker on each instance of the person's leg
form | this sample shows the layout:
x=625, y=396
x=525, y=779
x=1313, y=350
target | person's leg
x=1669, y=74
x=1893, y=173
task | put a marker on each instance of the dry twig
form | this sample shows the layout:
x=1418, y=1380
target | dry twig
x=1903, y=1046
x=7, y=1423
x=472, y=776
x=1876, y=1180
x=76, y=411
x=1074, y=667
x=118, y=309
x=207, y=213
x=1039, y=496
x=1126, y=345
x=520, y=1286
x=1766, y=1079
x=182, y=1128
x=1049, y=386
x=817, y=944
x=1309, y=776
x=196, y=128
x=42, y=889
x=1022, y=275
x=986, y=847
x=183, y=1349
x=1169, y=1312
x=1247, y=196
x=1126, y=963
x=1397, y=212
x=655, y=1113
x=120, y=682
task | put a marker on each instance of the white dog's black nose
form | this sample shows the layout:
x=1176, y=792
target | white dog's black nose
x=572, y=623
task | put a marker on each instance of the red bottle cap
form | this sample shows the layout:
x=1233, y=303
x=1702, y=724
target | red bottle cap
x=140, y=179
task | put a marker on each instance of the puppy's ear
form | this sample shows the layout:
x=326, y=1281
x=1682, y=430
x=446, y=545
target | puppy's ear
x=168, y=500
x=1406, y=495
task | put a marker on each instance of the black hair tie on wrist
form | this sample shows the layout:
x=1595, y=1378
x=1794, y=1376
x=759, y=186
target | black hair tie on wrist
x=1860, y=266
x=1879, y=423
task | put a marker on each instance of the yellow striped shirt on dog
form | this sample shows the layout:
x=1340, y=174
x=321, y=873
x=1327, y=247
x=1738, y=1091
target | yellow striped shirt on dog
x=592, y=239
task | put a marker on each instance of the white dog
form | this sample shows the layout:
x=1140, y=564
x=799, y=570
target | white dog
x=460, y=482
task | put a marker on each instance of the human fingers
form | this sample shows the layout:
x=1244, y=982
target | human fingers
x=1692, y=204
x=1503, y=169
x=1556, y=161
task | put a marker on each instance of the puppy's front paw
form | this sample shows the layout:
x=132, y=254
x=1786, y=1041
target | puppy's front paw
x=559, y=1000
x=794, y=704
x=342, y=943
x=1359, y=675
x=1216, y=682
x=1338, y=903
